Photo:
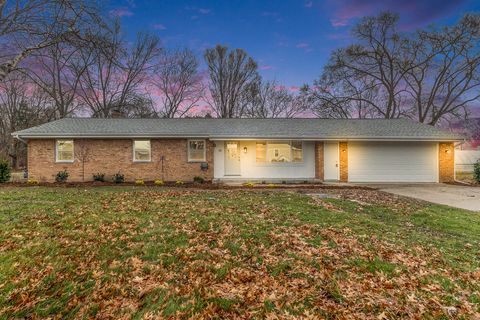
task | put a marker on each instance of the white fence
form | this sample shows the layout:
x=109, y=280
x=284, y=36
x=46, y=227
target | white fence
x=464, y=160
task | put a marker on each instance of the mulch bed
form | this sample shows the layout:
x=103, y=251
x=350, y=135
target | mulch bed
x=206, y=185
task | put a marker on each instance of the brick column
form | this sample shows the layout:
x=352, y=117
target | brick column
x=446, y=162
x=319, y=165
x=343, y=161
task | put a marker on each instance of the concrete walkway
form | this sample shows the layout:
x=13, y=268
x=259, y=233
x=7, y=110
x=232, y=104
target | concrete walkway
x=463, y=197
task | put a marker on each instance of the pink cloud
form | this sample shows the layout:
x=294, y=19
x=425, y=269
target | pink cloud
x=121, y=12
x=266, y=67
x=294, y=88
x=159, y=26
x=414, y=13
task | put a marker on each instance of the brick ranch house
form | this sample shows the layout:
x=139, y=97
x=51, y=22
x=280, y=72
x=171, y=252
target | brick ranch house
x=359, y=150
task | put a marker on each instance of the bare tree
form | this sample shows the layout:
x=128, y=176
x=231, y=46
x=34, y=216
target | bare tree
x=445, y=77
x=31, y=25
x=428, y=75
x=82, y=153
x=270, y=100
x=232, y=72
x=367, y=75
x=58, y=71
x=116, y=75
x=22, y=105
x=178, y=82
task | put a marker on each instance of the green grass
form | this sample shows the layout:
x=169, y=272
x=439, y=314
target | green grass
x=139, y=252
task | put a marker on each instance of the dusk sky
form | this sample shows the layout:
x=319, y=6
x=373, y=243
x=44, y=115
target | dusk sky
x=290, y=39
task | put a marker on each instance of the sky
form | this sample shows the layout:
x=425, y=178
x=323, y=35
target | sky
x=291, y=40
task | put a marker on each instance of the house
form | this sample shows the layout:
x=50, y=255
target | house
x=347, y=150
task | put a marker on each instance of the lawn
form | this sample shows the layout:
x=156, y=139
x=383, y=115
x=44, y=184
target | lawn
x=147, y=252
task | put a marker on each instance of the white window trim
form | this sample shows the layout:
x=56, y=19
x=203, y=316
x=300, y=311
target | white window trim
x=56, y=151
x=269, y=163
x=133, y=151
x=204, y=150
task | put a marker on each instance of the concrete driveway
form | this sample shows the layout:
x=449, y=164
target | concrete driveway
x=464, y=197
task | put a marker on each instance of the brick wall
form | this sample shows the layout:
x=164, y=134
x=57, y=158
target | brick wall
x=116, y=155
x=343, y=161
x=319, y=164
x=446, y=162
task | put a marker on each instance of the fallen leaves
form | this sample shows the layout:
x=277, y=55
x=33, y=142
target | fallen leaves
x=227, y=254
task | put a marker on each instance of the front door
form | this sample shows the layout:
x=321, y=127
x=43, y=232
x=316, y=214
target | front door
x=232, y=158
x=330, y=158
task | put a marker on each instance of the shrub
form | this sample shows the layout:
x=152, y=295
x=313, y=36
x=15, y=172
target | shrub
x=139, y=182
x=61, y=176
x=179, y=182
x=5, y=171
x=99, y=177
x=249, y=184
x=476, y=171
x=272, y=185
x=159, y=182
x=32, y=181
x=118, y=178
x=198, y=179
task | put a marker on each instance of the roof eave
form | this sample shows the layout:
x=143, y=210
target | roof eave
x=232, y=137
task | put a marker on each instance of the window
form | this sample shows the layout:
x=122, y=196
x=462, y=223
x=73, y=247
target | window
x=64, y=151
x=141, y=151
x=261, y=151
x=196, y=150
x=297, y=151
x=279, y=152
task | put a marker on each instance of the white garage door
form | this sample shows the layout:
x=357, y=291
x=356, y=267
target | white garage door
x=392, y=162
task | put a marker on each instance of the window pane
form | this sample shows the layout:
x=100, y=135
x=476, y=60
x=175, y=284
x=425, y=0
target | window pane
x=278, y=152
x=261, y=151
x=65, y=150
x=142, y=150
x=196, y=150
x=297, y=152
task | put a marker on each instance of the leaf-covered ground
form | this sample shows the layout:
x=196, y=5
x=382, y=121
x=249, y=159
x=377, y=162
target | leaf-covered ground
x=121, y=253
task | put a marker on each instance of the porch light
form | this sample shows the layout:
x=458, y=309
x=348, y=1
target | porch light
x=447, y=151
x=244, y=149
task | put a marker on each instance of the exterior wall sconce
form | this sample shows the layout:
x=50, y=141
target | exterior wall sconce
x=343, y=150
x=244, y=149
x=447, y=151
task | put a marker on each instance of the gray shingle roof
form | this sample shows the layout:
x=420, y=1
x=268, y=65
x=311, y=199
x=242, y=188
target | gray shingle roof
x=241, y=128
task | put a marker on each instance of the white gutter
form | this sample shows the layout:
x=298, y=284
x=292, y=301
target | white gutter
x=18, y=138
x=237, y=138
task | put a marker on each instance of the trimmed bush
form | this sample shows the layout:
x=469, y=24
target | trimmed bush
x=118, y=178
x=179, y=182
x=99, y=177
x=32, y=181
x=249, y=184
x=61, y=176
x=198, y=179
x=5, y=171
x=139, y=182
x=476, y=171
x=159, y=182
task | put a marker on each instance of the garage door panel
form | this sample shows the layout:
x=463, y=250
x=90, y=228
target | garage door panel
x=392, y=162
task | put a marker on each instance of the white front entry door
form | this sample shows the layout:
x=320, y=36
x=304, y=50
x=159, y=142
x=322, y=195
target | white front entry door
x=232, y=158
x=330, y=158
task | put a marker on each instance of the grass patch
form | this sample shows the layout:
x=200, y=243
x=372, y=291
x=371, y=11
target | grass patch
x=134, y=252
